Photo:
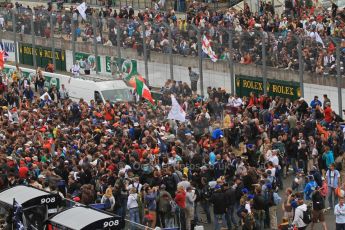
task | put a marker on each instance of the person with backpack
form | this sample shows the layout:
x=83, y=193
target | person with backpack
x=108, y=200
x=164, y=207
x=258, y=208
x=318, y=206
x=231, y=201
x=301, y=215
x=133, y=207
x=218, y=199
x=272, y=199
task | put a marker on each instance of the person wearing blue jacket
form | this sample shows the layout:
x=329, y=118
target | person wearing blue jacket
x=315, y=102
x=332, y=178
x=328, y=156
x=310, y=187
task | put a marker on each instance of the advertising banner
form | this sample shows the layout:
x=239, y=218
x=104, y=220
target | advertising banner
x=122, y=67
x=285, y=89
x=44, y=55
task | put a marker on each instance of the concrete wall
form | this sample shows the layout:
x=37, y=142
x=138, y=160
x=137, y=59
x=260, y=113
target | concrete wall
x=215, y=74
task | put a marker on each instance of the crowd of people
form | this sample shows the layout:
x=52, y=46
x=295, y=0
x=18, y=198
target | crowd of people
x=231, y=155
x=318, y=28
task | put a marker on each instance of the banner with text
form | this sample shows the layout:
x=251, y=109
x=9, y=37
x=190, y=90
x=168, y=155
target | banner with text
x=285, y=89
x=49, y=80
x=44, y=55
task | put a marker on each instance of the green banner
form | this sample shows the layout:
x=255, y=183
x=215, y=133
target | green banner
x=44, y=55
x=285, y=89
x=92, y=60
x=125, y=67
x=49, y=80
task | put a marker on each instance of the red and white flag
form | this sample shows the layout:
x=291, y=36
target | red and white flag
x=206, y=47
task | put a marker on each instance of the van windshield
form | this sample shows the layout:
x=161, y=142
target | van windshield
x=114, y=95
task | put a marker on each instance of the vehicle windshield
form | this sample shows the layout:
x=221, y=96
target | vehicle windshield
x=114, y=95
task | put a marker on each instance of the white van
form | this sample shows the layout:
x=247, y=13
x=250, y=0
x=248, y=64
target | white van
x=98, y=89
x=92, y=87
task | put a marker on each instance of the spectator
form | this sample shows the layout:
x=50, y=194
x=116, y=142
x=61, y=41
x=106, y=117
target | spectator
x=339, y=212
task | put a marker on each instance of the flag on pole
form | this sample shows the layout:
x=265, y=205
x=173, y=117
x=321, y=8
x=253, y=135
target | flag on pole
x=176, y=112
x=44, y=95
x=2, y=48
x=143, y=90
x=82, y=9
x=17, y=216
x=206, y=48
x=2, y=59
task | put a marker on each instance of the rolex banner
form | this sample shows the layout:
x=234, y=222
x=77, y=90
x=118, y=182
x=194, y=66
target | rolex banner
x=44, y=55
x=285, y=89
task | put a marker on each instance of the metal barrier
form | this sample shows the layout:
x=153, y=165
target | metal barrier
x=163, y=47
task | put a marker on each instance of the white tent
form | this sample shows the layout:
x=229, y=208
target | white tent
x=84, y=218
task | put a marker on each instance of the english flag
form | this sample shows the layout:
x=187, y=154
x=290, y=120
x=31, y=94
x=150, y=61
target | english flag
x=206, y=47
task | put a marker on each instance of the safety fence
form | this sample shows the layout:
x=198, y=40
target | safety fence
x=163, y=49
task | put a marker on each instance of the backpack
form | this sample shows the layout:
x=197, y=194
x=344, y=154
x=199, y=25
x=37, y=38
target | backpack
x=170, y=183
x=239, y=211
x=107, y=203
x=75, y=109
x=269, y=198
x=173, y=206
x=307, y=215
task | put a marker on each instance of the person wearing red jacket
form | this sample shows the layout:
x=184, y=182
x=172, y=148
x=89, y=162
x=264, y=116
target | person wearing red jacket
x=180, y=199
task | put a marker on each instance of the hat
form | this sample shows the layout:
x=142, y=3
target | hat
x=301, y=99
x=244, y=190
x=76, y=199
x=217, y=187
x=41, y=176
x=136, y=124
x=163, y=186
x=250, y=196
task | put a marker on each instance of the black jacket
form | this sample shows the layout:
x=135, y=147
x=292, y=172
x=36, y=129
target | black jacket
x=218, y=201
x=259, y=202
x=230, y=196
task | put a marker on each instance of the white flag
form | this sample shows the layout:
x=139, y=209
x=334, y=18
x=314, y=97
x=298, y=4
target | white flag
x=10, y=117
x=176, y=112
x=82, y=9
x=45, y=94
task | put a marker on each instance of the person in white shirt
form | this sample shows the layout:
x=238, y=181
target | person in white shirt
x=75, y=69
x=135, y=184
x=235, y=103
x=298, y=218
x=339, y=212
x=133, y=207
x=274, y=158
x=2, y=22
